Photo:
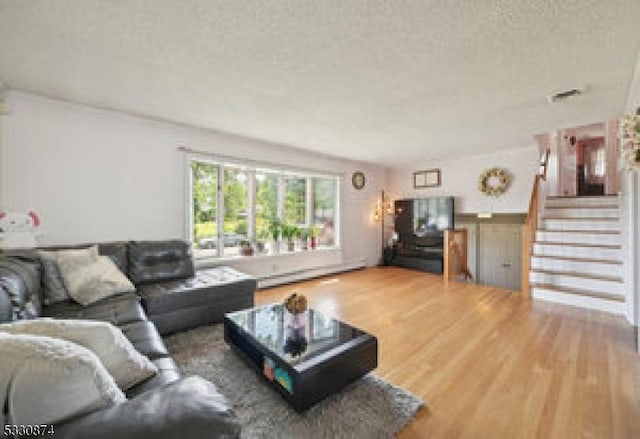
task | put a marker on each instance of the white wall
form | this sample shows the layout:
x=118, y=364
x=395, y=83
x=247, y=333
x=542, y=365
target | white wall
x=3, y=110
x=2, y=173
x=633, y=99
x=97, y=175
x=460, y=179
x=630, y=215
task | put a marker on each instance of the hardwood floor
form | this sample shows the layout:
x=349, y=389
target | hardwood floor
x=489, y=363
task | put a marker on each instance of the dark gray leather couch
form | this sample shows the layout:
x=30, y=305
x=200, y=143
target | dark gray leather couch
x=165, y=406
x=174, y=296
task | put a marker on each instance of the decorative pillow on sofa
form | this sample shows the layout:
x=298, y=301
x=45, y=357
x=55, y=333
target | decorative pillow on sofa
x=153, y=261
x=47, y=380
x=54, y=287
x=91, y=279
x=127, y=366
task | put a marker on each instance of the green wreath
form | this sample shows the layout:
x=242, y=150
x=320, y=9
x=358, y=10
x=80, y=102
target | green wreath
x=494, y=182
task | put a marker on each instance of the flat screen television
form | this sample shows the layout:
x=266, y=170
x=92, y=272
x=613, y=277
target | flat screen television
x=417, y=218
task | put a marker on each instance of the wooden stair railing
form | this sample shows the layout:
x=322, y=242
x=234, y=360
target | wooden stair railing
x=531, y=222
x=455, y=255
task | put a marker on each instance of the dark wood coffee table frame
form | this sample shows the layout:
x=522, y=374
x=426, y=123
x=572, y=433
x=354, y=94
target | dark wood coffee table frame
x=314, y=379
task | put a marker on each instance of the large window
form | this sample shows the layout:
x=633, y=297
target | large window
x=244, y=210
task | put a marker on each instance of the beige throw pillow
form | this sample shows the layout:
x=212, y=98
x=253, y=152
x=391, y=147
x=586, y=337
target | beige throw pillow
x=76, y=255
x=127, y=366
x=54, y=288
x=46, y=380
x=90, y=277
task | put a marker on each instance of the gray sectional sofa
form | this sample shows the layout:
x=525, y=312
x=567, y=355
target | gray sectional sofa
x=171, y=296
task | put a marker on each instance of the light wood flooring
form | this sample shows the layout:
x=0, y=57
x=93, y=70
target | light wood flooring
x=489, y=363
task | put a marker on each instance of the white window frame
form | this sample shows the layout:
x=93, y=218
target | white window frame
x=251, y=167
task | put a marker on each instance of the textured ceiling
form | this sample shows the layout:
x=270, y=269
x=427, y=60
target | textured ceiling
x=390, y=82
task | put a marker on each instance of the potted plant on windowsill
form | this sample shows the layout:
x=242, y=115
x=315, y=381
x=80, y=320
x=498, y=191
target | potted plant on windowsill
x=246, y=249
x=313, y=234
x=290, y=233
x=275, y=229
x=260, y=242
x=305, y=232
x=259, y=246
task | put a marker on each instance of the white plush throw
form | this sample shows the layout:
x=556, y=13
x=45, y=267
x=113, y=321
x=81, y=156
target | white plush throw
x=92, y=277
x=47, y=380
x=127, y=366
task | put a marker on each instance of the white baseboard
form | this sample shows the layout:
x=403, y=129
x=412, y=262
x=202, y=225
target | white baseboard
x=309, y=273
x=609, y=306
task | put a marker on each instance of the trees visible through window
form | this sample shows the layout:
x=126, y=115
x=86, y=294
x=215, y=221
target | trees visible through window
x=295, y=198
x=204, y=206
x=266, y=208
x=236, y=210
x=261, y=211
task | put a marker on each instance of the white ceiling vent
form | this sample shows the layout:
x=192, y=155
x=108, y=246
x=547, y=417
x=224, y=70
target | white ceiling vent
x=565, y=94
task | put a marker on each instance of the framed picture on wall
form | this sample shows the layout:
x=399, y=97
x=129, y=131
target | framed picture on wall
x=427, y=178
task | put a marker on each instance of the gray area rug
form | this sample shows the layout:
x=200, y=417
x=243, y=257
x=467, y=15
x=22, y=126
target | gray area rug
x=368, y=408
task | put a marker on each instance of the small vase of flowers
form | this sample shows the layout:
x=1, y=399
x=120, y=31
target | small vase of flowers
x=631, y=140
x=295, y=306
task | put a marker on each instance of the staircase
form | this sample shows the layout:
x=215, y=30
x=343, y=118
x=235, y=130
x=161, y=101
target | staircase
x=577, y=256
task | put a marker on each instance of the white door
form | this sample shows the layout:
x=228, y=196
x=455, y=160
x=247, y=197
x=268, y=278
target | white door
x=499, y=255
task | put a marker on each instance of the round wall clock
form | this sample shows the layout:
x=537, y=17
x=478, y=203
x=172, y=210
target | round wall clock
x=358, y=180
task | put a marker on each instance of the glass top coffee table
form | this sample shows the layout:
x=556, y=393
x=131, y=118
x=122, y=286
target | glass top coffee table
x=306, y=357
